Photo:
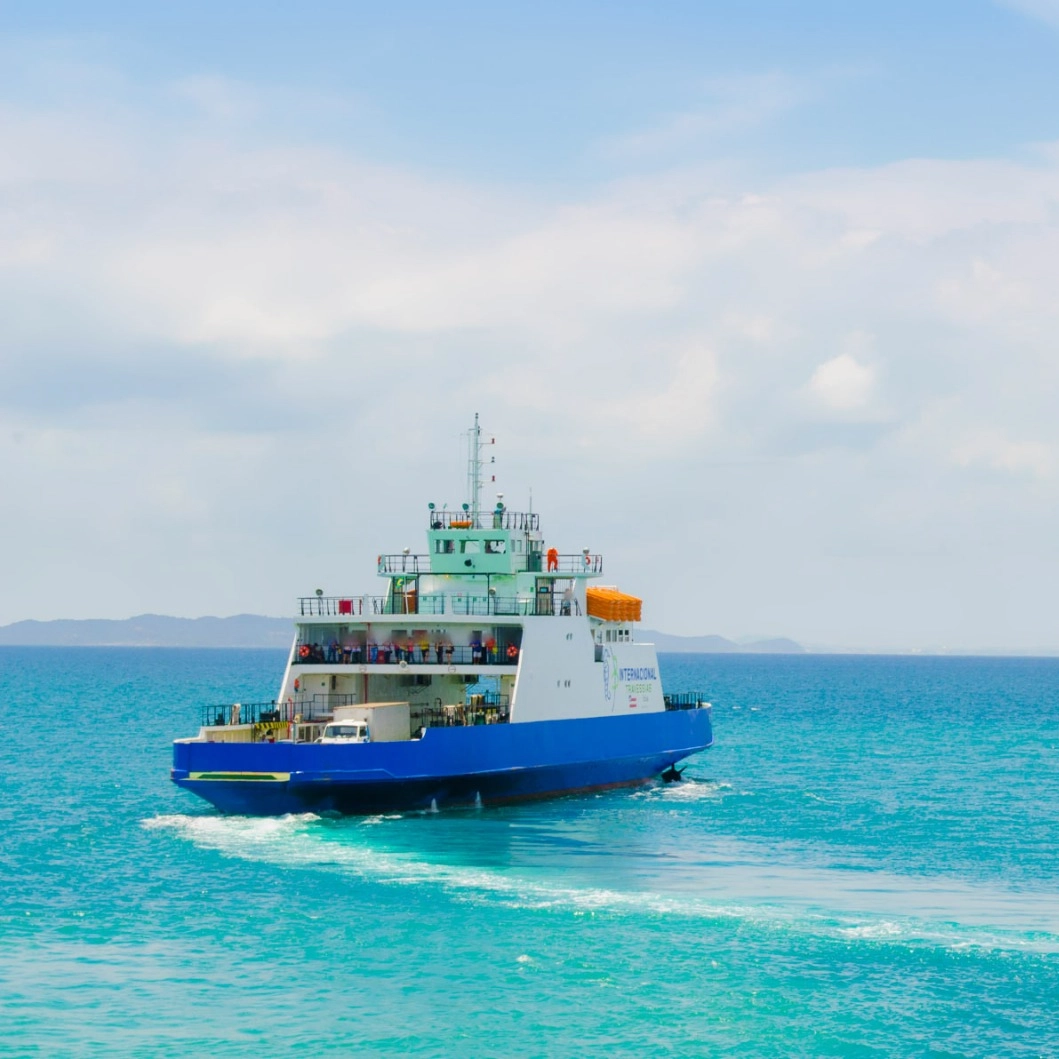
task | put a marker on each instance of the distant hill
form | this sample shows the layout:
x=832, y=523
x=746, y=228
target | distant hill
x=718, y=644
x=254, y=630
x=152, y=630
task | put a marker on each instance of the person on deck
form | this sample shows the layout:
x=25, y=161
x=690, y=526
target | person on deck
x=553, y=559
x=568, y=600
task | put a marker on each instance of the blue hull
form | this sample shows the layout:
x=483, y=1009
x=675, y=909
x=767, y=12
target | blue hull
x=447, y=767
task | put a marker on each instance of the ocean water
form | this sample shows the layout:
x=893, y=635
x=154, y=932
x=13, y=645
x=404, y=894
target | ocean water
x=866, y=864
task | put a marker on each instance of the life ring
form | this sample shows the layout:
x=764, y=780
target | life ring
x=512, y=651
x=303, y=651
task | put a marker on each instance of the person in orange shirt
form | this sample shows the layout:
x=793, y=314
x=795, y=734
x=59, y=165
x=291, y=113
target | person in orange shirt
x=553, y=559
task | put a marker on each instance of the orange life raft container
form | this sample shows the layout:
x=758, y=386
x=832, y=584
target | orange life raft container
x=612, y=605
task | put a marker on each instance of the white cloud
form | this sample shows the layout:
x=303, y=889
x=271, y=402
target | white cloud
x=843, y=384
x=1047, y=10
x=992, y=450
x=731, y=104
x=213, y=350
x=217, y=97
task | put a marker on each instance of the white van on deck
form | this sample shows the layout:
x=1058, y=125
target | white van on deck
x=346, y=732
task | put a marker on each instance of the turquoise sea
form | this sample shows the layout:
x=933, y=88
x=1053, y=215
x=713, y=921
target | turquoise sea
x=866, y=864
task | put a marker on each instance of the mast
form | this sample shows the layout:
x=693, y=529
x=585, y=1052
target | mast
x=475, y=483
x=474, y=467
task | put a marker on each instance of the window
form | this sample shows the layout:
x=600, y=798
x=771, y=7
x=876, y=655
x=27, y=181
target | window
x=470, y=547
x=443, y=547
x=495, y=547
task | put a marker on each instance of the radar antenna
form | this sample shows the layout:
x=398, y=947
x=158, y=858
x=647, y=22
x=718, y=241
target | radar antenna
x=475, y=478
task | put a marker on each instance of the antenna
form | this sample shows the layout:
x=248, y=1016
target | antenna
x=475, y=478
x=474, y=467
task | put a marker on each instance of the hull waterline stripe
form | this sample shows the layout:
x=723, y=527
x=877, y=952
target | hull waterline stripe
x=254, y=777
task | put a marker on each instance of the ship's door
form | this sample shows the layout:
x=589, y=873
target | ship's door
x=544, y=596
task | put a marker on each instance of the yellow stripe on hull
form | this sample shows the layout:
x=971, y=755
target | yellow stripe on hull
x=254, y=777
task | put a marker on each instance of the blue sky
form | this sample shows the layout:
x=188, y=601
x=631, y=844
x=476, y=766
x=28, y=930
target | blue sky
x=538, y=92
x=786, y=270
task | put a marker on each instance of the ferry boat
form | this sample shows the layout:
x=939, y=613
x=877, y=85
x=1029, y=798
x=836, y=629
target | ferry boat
x=490, y=669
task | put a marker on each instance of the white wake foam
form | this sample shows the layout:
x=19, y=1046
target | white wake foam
x=307, y=841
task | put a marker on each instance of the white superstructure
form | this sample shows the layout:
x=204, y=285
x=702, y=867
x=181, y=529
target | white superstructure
x=490, y=625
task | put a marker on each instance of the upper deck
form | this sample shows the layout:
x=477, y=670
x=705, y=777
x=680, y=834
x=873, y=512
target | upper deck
x=492, y=555
x=478, y=563
x=499, y=518
x=465, y=604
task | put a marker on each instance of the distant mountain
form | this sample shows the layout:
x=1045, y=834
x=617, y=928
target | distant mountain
x=777, y=645
x=152, y=630
x=253, y=630
x=718, y=644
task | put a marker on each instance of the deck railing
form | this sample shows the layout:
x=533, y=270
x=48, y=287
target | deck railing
x=686, y=700
x=404, y=564
x=367, y=607
x=517, y=521
x=536, y=562
x=307, y=707
x=484, y=708
x=395, y=654
x=489, y=709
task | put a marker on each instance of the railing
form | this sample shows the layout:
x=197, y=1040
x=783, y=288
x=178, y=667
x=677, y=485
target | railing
x=460, y=604
x=308, y=707
x=353, y=606
x=519, y=521
x=536, y=562
x=393, y=654
x=686, y=700
x=573, y=564
x=404, y=564
x=485, y=708
x=366, y=606
x=493, y=709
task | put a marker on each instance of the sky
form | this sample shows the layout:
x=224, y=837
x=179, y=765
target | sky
x=760, y=301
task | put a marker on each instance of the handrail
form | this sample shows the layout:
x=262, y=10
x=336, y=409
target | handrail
x=400, y=563
x=519, y=521
x=462, y=604
x=308, y=707
x=397, y=654
x=461, y=715
x=404, y=563
x=579, y=563
x=484, y=708
x=686, y=700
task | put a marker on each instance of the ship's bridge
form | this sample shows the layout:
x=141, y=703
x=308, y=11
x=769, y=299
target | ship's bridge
x=496, y=543
x=477, y=563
